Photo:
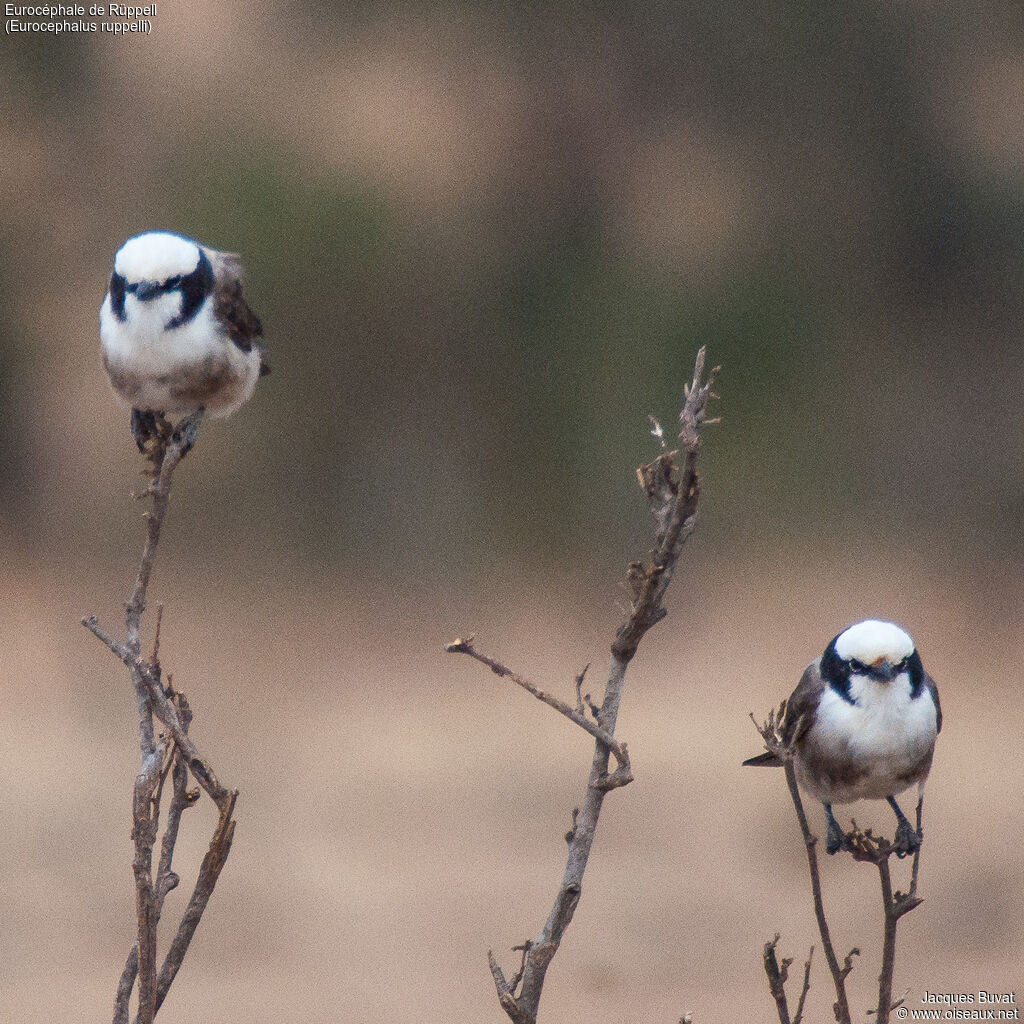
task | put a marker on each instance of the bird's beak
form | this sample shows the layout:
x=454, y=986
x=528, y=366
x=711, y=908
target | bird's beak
x=146, y=290
x=883, y=671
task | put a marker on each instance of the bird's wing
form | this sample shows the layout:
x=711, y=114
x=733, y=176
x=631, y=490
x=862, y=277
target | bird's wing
x=934, y=691
x=240, y=323
x=803, y=704
x=800, y=708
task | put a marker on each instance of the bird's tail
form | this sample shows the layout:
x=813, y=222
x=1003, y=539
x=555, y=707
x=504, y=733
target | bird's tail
x=765, y=760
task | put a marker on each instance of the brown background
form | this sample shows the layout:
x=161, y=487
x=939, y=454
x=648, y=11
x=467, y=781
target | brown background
x=485, y=244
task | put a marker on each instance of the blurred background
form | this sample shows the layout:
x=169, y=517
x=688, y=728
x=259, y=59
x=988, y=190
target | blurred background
x=486, y=242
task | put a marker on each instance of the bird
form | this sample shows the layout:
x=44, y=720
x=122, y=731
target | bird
x=862, y=723
x=176, y=334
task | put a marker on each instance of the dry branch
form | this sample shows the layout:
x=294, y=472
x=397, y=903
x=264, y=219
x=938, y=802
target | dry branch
x=622, y=776
x=778, y=975
x=863, y=846
x=672, y=492
x=171, y=754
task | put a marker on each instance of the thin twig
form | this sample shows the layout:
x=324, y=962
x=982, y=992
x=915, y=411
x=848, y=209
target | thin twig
x=842, y=1006
x=579, y=689
x=804, y=988
x=888, y=945
x=209, y=872
x=917, y=852
x=506, y=995
x=777, y=976
x=518, y=976
x=125, y=984
x=878, y=850
x=181, y=798
x=161, y=705
x=672, y=493
x=166, y=880
x=775, y=744
x=622, y=776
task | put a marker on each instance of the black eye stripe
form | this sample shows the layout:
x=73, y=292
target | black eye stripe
x=859, y=666
x=117, y=290
x=195, y=287
x=836, y=671
x=167, y=286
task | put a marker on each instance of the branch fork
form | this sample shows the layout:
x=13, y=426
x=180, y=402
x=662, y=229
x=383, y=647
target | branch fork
x=778, y=975
x=672, y=491
x=622, y=775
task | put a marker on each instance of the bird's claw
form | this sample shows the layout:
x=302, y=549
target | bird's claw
x=908, y=840
x=153, y=432
x=145, y=430
x=836, y=839
x=186, y=431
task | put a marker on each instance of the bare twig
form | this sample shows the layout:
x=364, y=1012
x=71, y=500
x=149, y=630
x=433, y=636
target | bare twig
x=174, y=753
x=181, y=799
x=804, y=988
x=518, y=976
x=125, y=985
x=571, y=834
x=209, y=872
x=842, y=1005
x=672, y=492
x=579, y=689
x=892, y=915
x=506, y=994
x=777, y=976
x=620, y=750
x=161, y=705
x=774, y=742
x=877, y=850
x=917, y=852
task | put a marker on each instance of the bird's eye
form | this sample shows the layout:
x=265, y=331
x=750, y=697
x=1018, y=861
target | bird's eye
x=901, y=666
x=172, y=282
x=858, y=666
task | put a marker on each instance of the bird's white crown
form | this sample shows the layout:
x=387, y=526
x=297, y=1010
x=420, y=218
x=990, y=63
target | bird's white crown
x=870, y=640
x=156, y=256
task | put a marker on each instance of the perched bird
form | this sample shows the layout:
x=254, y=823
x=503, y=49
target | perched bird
x=863, y=722
x=176, y=334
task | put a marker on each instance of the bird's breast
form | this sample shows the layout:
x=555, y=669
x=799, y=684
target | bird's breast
x=143, y=342
x=179, y=370
x=874, y=747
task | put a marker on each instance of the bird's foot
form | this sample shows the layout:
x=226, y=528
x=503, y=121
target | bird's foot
x=144, y=429
x=835, y=839
x=152, y=432
x=187, y=430
x=908, y=840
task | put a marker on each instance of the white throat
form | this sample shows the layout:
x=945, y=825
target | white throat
x=884, y=720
